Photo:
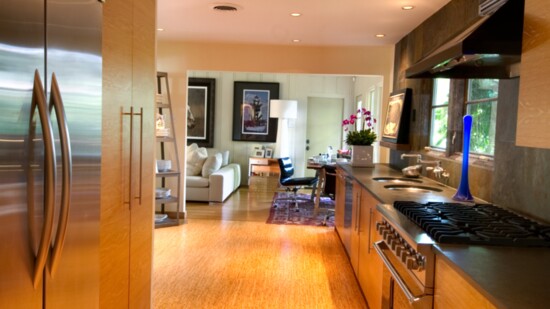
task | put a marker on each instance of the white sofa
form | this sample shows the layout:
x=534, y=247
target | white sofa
x=210, y=177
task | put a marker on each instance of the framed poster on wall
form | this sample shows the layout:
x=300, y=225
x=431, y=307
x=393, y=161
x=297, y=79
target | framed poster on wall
x=201, y=99
x=396, y=124
x=251, y=121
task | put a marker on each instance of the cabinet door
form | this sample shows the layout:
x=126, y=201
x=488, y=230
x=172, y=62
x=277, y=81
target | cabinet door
x=453, y=291
x=127, y=208
x=339, y=207
x=370, y=265
x=355, y=228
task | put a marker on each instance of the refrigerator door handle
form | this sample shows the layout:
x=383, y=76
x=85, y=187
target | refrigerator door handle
x=39, y=102
x=131, y=156
x=56, y=103
x=131, y=159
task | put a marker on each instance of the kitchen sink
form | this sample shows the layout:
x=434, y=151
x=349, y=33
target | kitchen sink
x=396, y=179
x=413, y=188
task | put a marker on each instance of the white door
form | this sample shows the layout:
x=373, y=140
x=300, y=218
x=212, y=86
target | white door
x=324, y=126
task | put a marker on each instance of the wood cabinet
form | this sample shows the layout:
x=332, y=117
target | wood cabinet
x=453, y=291
x=533, y=127
x=366, y=263
x=128, y=143
x=355, y=220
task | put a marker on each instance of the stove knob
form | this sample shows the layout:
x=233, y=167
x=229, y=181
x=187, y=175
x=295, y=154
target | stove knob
x=404, y=255
x=396, y=242
x=399, y=249
x=412, y=263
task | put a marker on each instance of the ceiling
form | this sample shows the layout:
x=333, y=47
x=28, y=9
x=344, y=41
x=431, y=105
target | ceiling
x=322, y=23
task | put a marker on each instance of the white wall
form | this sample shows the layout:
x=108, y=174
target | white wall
x=291, y=86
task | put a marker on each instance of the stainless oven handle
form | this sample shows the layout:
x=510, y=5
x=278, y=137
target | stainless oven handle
x=410, y=296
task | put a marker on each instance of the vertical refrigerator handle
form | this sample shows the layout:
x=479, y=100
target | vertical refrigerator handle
x=39, y=102
x=56, y=103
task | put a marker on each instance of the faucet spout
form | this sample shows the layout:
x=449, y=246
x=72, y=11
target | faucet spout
x=412, y=155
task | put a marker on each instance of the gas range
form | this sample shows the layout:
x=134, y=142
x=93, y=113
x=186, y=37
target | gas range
x=409, y=230
x=480, y=224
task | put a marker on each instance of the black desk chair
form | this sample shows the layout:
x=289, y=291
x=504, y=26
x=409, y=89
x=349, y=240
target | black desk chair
x=293, y=183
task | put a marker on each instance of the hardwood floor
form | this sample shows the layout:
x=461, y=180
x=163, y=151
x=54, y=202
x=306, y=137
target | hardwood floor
x=226, y=256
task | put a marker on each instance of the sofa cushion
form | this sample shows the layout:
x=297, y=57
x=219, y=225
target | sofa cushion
x=195, y=161
x=197, y=182
x=225, y=158
x=211, y=165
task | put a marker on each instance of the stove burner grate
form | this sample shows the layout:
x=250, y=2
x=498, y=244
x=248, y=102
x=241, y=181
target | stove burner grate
x=481, y=224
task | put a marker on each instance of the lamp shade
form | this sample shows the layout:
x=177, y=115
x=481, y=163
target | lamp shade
x=284, y=109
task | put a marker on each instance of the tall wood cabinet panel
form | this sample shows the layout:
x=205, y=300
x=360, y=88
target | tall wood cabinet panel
x=533, y=128
x=453, y=291
x=127, y=202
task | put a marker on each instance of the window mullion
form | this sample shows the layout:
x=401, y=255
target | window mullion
x=456, y=113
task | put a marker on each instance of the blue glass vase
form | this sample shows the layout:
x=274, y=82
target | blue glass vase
x=463, y=192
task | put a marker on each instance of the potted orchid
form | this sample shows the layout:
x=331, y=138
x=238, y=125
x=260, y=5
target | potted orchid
x=361, y=140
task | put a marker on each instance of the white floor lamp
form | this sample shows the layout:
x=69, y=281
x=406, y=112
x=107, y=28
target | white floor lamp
x=284, y=110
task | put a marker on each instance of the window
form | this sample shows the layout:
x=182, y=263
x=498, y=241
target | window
x=440, y=112
x=482, y=105
x=480, y=101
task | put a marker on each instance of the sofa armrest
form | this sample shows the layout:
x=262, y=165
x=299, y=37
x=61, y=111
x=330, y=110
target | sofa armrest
x=222, y=182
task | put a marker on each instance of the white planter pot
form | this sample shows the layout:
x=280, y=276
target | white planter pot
x=361, y=156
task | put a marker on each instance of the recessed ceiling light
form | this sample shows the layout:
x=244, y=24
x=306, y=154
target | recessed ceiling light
x=160, y=29
x=380, y=35
x=225, y=7
x=296, y=14
x=296, y=41
x=407, y=7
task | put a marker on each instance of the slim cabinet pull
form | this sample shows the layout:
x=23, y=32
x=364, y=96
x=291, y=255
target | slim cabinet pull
x=39, y=102
x=131, y=114
x=57, y=103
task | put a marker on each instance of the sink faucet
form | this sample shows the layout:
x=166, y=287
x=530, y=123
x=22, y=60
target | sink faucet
x=437, y=170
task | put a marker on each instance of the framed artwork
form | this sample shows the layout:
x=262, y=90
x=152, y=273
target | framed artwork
x=201, y=98
x=251, y=120
x=396, y=124
x=259, y=153
x=268, y=152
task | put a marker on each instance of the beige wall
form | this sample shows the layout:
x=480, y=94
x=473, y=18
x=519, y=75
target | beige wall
x=178, y=58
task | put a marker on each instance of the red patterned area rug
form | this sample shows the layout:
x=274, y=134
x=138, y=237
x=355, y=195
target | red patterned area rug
x=281, y=214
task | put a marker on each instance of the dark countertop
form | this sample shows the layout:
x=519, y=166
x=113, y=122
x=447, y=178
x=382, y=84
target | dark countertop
x=508, y=277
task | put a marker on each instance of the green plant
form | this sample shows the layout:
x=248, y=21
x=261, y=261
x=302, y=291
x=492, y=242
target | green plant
x=361, y=137
x=365, y=135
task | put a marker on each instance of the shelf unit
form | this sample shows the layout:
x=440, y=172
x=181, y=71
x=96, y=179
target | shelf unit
x=167, y=150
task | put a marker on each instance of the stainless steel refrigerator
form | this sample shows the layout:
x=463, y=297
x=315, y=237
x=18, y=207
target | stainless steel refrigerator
x=50, y=153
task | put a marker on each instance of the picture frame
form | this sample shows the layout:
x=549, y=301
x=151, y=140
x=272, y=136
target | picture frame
x=201, y=100
x=259, y=153
x=251, y=121
x=268, y=152
x=396, y=124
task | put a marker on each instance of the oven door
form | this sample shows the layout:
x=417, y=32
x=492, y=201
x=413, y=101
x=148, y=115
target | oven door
x=400, y=288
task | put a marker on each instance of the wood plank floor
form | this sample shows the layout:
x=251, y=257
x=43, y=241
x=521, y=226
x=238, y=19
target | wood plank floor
x=226, y=256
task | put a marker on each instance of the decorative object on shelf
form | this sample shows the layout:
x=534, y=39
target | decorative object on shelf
x=164, y=165
x=269, y=152
x=251, y=118
x=201, y=99
x=160, y=124
x=362, y=138
x=463, y=192
x=396, y=126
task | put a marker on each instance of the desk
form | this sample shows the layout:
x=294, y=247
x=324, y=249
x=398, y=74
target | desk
x=260, y=166
x=321, y=177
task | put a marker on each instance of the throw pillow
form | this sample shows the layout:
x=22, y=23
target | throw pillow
x=211, y=165
x=195, y=161
x=192, y=148
x=225, y=158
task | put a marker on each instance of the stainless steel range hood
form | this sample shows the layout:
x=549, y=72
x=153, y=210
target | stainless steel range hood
x=491, y=48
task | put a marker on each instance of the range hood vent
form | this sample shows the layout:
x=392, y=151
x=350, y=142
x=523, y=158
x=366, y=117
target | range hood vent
x=490, y=48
